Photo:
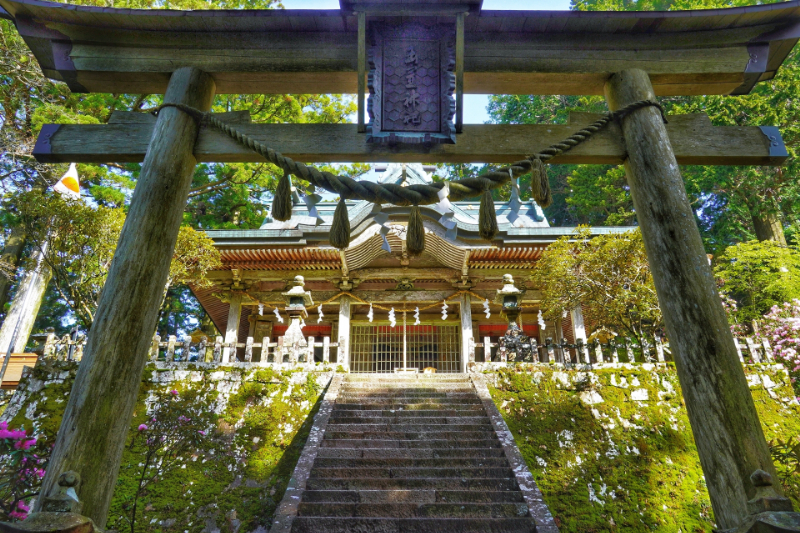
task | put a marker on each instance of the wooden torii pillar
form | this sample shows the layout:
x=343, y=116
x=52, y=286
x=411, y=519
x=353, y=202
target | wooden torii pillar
x=98, y=414
x=726, y=427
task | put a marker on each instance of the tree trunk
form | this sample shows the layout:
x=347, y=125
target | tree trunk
x=26, y=304
x=768, y=227
x=12, y=251
x=98, y=415
x=727, y=431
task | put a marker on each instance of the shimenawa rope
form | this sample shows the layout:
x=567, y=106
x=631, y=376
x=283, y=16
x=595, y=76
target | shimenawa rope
x=418, y=194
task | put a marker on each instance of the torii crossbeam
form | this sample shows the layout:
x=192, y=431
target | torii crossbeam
x=421, y=57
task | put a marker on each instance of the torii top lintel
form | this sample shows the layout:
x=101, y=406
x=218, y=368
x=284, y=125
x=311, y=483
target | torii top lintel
x=721, y=51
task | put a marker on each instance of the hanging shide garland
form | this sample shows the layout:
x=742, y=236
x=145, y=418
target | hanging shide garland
x=412, y=195
x=441, y=304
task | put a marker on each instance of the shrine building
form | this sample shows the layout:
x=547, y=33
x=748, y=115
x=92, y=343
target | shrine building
x=260, y=264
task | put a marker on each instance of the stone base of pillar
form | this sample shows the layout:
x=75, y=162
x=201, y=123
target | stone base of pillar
x=51, y=523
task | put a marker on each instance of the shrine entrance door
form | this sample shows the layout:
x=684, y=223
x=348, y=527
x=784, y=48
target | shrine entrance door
x=381, y=348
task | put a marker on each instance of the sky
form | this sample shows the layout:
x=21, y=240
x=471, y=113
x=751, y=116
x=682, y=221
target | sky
x=474, y=104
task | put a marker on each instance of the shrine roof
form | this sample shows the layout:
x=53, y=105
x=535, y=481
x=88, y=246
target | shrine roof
x=302, y=229
x=719, y=51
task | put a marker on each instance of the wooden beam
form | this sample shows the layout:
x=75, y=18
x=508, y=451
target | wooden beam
x=362, y=71
x=694, y=139
x=388, y=297
x=284, y=52
x=460, y=72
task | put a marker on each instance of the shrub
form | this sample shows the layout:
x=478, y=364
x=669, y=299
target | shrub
x=21, y=472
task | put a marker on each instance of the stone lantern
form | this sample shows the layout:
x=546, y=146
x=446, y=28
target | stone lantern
x=509, y=298
x=297, y=299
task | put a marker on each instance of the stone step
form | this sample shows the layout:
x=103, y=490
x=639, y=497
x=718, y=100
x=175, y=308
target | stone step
x=469, y=484
x=487, y=442
x=412, y=496
x=371, y=435
x=414, y=510
x=410, y=428
x=350, y=378
x=417, y=453
x=411, y=473
x=410, y=413
x=390, y=403
x=452, y=462
x=412, y=408
x=403, y=393
x=404, y=420
x=438, y=387
x=308, y=524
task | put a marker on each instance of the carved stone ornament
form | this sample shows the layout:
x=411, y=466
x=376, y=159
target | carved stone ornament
x=769, y=511
x=518, y=346
x=411, y=83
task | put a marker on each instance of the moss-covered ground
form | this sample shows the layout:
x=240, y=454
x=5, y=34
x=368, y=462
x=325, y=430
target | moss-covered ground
x=234, y=479
x=612, y=449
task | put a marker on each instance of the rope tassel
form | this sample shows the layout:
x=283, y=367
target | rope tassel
x=340, y=229
x=487, y=218
x=282, y=202
x=415, y=238
x=540, y=186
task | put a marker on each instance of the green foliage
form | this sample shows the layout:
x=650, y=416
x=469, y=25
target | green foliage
x=81, y=243
x=758, y=275
x=786, y=455
x=729, y=201
x=608, y=275
x=623, y=465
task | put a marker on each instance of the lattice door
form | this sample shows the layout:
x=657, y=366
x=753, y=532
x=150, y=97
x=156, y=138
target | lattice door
x=380, y=348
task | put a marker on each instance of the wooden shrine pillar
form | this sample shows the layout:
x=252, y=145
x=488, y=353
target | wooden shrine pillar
x=466, y=331
x=232, y=327
x=343, y=357
x=98, y=414
x=726, y=428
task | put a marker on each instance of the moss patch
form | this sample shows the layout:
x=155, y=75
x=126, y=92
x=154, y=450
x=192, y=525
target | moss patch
x=234, y=481
x=628, y=462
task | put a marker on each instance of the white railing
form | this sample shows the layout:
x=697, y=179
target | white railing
x=650, y=351
x=172, y=349
x=186, y=350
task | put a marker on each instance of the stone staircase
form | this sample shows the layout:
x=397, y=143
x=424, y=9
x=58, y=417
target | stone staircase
x=413, y=453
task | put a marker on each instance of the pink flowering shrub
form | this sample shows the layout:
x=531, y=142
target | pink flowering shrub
x=21, y=472
x=781, y=327
x=172, y=430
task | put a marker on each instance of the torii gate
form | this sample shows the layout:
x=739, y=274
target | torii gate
x=191, y=56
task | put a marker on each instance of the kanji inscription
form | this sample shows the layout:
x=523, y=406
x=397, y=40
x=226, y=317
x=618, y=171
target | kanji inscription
x=411, y=84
